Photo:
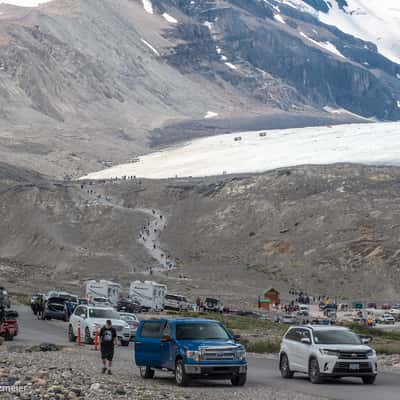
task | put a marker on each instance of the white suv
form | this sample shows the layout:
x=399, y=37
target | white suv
x=326, y=352
x=386, y=319
x=176, y=302
x=89, y=316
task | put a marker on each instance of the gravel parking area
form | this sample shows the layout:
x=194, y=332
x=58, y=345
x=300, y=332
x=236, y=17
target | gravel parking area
x=74, y=373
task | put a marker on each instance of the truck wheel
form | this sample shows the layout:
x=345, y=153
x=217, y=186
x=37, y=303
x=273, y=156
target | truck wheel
x=180, y=375
x=313, y=372
x=146, y=372
x=369, y=380
x=88, y=338
x=239, y=380
x=285, y=368
x=71, y=336
x=8, y=337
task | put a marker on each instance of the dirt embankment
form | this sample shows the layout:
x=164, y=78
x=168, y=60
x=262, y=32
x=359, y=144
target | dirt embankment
x=325, y=229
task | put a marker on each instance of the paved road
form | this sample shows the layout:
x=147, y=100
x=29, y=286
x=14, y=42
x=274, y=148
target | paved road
x=262, y=372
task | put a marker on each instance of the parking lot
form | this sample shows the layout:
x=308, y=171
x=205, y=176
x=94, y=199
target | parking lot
x=263, y=370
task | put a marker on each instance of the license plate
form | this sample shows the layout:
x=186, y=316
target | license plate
x=354, y=366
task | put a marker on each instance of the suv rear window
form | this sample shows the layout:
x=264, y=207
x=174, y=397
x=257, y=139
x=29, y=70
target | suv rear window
x=104, y=313
x=151, y=329
x=336, y=337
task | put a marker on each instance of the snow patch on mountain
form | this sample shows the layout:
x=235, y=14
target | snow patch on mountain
x=211, y=114
x=377, y=21
x=151, y=47
x=230, y=65
x=332, y=110
x=148, y=6
x=25, y=3
x=300, y=5
x=325, y=45
x=373, y=144
x=170, y=18
x=279, y=18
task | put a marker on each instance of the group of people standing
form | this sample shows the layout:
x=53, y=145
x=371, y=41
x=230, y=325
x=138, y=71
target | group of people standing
x=39, y=304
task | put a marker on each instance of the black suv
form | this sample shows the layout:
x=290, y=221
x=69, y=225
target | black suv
x=129, y=306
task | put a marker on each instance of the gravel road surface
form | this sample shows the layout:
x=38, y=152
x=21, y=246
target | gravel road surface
x=263, y=372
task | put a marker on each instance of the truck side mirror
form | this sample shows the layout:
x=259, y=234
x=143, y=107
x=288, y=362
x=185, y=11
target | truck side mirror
x=236, y=338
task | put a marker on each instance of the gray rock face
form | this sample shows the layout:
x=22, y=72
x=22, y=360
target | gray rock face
x=84, y=82
x=249, y=37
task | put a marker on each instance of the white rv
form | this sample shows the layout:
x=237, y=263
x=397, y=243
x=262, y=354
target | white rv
x=148, y=294
x=103, y=288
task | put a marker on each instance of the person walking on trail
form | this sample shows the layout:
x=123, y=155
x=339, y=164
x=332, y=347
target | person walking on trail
x=108, y=341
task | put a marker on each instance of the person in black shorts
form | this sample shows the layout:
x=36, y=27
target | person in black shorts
x=108, y=340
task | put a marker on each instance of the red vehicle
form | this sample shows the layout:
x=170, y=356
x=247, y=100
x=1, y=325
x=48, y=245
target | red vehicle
x=9, y=329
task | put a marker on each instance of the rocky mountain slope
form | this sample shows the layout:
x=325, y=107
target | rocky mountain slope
x=85, y=83
x=326, y=229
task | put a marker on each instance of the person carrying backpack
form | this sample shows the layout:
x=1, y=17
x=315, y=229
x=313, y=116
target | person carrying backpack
x=108, y=341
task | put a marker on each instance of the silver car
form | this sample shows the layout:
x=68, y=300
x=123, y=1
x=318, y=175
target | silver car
x=132, y=321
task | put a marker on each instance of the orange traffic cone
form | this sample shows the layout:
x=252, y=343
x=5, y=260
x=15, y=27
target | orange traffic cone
x=96, y=339
x=79, y=333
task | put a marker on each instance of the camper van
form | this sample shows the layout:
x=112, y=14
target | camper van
x=103, y=288
x=148, y=294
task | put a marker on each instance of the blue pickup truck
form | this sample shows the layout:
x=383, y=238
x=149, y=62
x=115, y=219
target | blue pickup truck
x=190, y=348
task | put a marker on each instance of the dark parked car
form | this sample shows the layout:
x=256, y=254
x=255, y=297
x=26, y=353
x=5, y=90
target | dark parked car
x=129, y=306
x=54, y=308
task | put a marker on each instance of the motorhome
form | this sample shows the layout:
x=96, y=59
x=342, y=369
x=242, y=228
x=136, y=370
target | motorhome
x=103, y=288
x=148, y=294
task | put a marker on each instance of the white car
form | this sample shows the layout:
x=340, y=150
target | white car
x=326, y=352
x=100, y=302
x=289, y=319
x=386, y=319
x=132, y=320
x=304, y=309
x=91, y=316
